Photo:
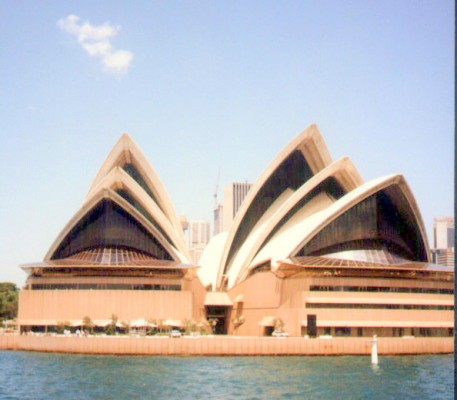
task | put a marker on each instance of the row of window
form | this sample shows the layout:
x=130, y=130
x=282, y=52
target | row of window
x=394, y=332
x=102, y=286
x=383, y=289
x=380, y=306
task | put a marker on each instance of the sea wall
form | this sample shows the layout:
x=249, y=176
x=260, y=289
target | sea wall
x=224, y=345
x=8, y=341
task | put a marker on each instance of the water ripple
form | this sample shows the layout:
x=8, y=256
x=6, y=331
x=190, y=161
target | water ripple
x=29, y=375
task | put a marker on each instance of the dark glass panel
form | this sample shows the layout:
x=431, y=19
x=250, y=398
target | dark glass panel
x=101, y=286
x=383, y=220
x=383, y=289
x=126, y=195
x=396, y=220
x=381, y=306
x=106, y=225
x=135, y=174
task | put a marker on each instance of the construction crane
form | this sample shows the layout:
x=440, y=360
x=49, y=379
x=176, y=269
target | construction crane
x=217, y=188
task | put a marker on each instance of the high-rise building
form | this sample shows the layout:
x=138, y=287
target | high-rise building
x=443, y=232
x=218, y=221
x=443, y=241
x=444, y=257
x=198, y=238
x=234, y=195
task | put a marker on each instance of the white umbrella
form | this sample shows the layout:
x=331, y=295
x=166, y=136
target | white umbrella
x=140, y=323
x=173, y=322
x=102, y=322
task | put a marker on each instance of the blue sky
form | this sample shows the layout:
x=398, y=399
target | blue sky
x=210, y=85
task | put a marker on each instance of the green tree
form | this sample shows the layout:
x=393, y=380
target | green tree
x=110, y=329
x=88, y=324
x=9, y=294
x=190, y=326
x=62, y=326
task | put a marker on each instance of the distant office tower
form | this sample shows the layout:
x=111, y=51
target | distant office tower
x=198, y=238
x=443, y=241
x=218, y=215
x=444, y=257
x=234, y=195
x=443, y=232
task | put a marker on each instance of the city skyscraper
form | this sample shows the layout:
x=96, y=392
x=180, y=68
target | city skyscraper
x=234, y=195
x=443, y=241
x=218, y=218
x=443, y=232
x=199, y=235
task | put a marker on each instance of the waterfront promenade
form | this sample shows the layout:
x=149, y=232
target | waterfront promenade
x=225, y=345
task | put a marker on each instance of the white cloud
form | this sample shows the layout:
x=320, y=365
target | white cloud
x=97, y=48
x=117, y=61
x=95, y=40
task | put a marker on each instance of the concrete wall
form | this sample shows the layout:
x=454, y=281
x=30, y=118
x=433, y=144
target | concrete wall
x=63, y=305
x=224, y=345
x=8, y=342
x=264, y=294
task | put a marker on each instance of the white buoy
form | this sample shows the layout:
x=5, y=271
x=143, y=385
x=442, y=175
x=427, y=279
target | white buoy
x=374, y=350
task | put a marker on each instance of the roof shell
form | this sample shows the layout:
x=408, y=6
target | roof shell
x=125, y=151
x=311, y=145
x=117, y=179
x=128, y=180
x=293, y=236
x=345, y=174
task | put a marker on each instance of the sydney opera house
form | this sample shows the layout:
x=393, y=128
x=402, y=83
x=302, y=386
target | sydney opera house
x=313, y=250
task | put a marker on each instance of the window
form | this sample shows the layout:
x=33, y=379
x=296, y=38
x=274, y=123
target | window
x=342, y=331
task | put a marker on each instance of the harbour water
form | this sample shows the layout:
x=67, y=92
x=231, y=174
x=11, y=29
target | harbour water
x=31, y=375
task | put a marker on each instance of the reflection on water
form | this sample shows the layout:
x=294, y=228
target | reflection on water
x=27, y=375
x=375, y=368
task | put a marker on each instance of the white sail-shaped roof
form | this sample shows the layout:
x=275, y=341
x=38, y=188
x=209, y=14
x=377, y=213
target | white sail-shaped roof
x=298, y=197
x=302, y=158
x=209, y=260
x=121, y=182
x=126, y=206
x=342, y=171
x=303, y=204
x=127, y=155
x=299, y=230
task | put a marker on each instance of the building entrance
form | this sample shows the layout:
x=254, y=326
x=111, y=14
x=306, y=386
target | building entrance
x=312, y=325
x=217, y=317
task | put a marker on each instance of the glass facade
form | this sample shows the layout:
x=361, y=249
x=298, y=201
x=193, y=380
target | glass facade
x=135, y=174
x=103, y=286
x=129, y=198
x=378, y=222
x=105, y=225
x=380, y=306
x=380, y=289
